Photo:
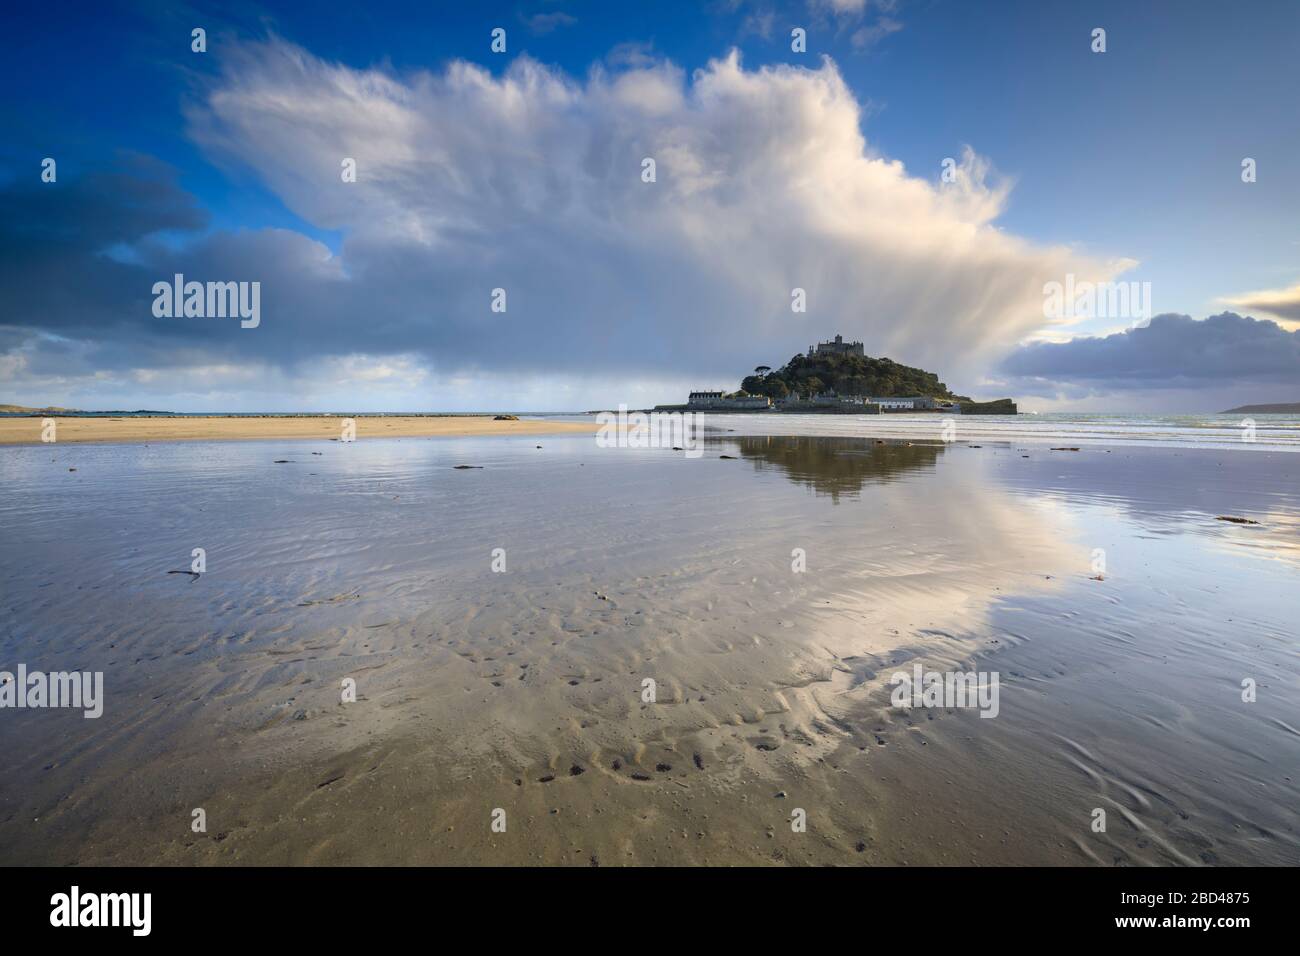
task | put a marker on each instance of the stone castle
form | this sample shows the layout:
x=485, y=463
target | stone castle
x=837, y=347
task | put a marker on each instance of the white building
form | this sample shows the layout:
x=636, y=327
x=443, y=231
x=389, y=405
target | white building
x=702, y=400
x=903, y=404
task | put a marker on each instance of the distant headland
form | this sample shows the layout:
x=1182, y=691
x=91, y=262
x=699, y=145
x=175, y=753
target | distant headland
x=1277, y=408
x=56, y=410
x=28, y=410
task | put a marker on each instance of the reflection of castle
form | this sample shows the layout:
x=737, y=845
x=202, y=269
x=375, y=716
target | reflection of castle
x=838, y=347
x=832, y=466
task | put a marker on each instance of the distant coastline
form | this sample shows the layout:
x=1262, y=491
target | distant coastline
x=28, y=410
x=1276, y=408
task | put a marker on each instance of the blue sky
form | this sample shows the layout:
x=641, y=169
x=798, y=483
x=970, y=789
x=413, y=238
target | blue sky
x=1131, y=154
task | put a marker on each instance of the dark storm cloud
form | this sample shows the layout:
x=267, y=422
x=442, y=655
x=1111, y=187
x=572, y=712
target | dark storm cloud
x=56, y=270
x=79, y=258
x=1174, y=351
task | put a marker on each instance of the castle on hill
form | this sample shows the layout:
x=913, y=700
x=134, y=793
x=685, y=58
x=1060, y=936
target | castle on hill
x=837, y=347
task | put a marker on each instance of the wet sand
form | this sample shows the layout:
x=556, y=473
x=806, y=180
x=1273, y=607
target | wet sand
x=27, y=430
x=522, y=690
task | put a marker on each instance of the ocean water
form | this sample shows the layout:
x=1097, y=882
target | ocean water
x=1269, y=432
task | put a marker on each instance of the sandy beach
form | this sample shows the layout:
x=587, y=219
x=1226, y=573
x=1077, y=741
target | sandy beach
x=515, y=681
x=27, y=430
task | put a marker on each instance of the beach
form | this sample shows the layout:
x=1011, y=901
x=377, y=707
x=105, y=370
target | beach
x=131, y=428
x=499, y=626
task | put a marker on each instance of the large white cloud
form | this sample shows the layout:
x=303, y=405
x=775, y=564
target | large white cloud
x=531, y=181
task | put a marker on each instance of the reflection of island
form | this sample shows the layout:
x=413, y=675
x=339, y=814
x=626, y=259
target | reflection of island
x=831, y=466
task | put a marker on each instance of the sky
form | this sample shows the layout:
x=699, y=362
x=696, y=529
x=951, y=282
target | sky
x=927, y=172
